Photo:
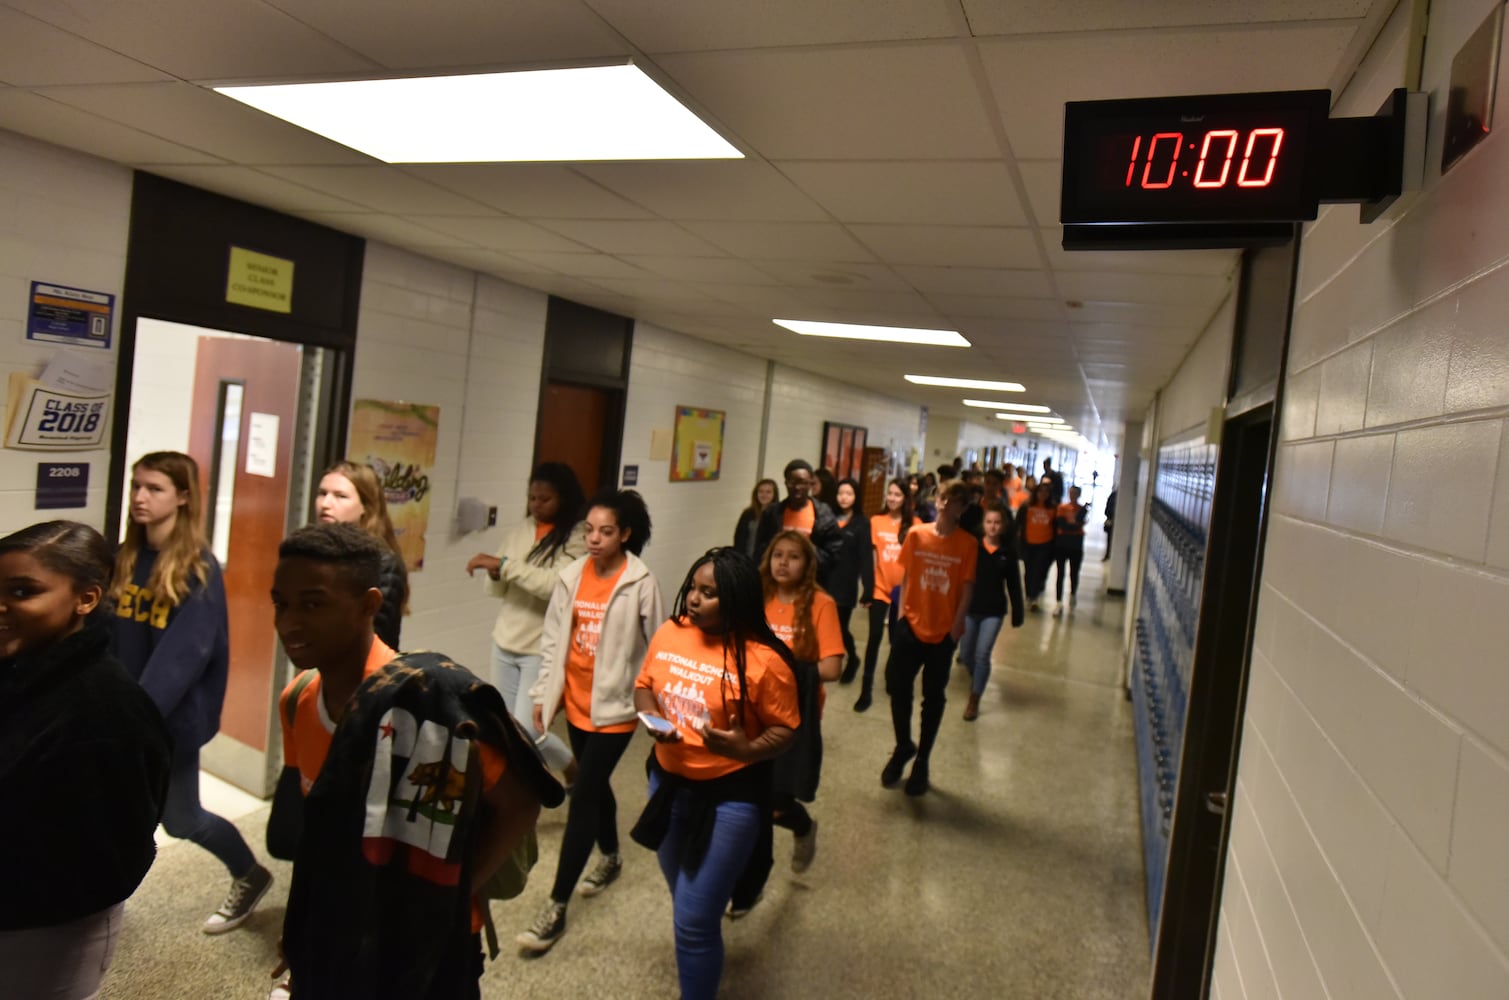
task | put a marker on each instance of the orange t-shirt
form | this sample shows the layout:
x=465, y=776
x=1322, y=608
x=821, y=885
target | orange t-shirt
x=1016, y=496
x=888, y=572
x=937, y=568
x=799, y=520
x=830, y=638
x=1038, y=528
x=684, y=668
x=1068, y=513
x=307, y=744
x=587, y=611
x=541, y=530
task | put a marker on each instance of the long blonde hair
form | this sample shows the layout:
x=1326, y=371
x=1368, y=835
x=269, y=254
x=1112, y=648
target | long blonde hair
x=803, y=631
x=374, y=520
x=183, y=555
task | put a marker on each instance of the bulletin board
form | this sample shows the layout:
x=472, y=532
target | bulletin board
x=697, y=446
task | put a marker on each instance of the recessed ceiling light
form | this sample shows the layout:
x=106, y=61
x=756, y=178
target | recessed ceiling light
x=1031, y=421
x=986, y=404
x=582, y=113
x=965, y=383
x=892, y=334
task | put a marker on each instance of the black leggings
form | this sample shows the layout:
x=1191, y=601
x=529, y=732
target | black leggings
x=878, y=612
x=593, y=813
x=1038, y=558
x=1074, y=555
x=844, y=615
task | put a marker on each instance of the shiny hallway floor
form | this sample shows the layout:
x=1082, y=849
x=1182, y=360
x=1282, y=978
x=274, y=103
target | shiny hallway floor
x=1018, y=876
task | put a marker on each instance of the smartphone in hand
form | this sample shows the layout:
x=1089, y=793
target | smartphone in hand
x=656, y=724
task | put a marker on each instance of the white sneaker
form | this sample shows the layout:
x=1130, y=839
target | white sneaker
x=246, y=892
x=282, y=991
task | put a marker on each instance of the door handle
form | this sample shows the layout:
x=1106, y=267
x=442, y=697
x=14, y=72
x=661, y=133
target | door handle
x=1216, y=802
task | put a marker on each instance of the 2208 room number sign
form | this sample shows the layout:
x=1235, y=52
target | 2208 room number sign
x=1208, y=158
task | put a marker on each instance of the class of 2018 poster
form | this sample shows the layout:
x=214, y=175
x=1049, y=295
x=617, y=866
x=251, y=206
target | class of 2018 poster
x=398, y=441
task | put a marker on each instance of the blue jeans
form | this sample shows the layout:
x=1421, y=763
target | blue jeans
x=699, y=898
x=513, y=675
x=974, y=649
x=183, y=817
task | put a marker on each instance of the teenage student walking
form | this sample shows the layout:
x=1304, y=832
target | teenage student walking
x=84, y=760
x=852, y=579
x=172, y=635
x=1069, y=547
x=938, y=563
x=996, y=579
x=888, y=532
x=1036, y=536
x=350, y=493
x=725, y=684
x=604, y=610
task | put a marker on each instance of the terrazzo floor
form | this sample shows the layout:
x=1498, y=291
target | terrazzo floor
x=1018, y=876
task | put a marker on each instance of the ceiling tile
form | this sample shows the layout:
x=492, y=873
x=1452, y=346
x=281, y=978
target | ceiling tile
x=978, y=281
x=951, y=246
x=387, y=228
x=41, y=118
x=203, y=119
x=914, y=102
x=683, y=268
x=973, y=193
x=382, y=187
x=194, y=40
x=1135, y=287
x=1208, y=262
x=744, y=190
x=499, y=233
x=534, y=190
x=1043, y=180
x=670, y=26
x=816, y=241
x=854, y=275
x=256, y=187
x=582, y=265
x=1021, y=17
x=401, y=34
x=35, y=53
x=632, y=236
x=1033, y=77
x=1003, y=307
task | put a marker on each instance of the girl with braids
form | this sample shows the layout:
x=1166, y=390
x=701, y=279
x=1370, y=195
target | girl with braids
x=350, y=493
x=523, y=574
x=172, y=635
x=887, y=535
x=805, y=618
x=727, y=687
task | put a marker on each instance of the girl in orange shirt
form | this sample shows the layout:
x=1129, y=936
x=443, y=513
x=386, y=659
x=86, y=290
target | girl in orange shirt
x=601, y=616
x=727, y=687
x=887, y=533
x=803, y=616
x=1037, y=523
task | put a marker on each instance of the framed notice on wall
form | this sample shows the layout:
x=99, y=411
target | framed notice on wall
x=843, y=450
x=697, y=444
x=398, y=441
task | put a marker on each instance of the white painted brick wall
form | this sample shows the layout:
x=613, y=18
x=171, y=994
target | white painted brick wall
x=63, y=219
x=800, y=402
x=1367, y=856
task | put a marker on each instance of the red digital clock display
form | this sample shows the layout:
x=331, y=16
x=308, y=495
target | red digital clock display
x=1221, y=158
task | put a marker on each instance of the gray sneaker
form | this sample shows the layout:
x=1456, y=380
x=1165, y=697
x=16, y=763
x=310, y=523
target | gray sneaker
x=604, y=875
x=804, y=850
x=546, y=929
x=246, y=892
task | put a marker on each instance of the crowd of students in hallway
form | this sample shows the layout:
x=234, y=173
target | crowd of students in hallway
x=411, y=785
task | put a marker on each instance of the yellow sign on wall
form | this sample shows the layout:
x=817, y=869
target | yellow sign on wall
x=260, y=281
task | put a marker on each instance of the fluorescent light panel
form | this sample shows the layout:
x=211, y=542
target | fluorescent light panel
x=965, y=383
x=891, y=334
x=986, y=404
x=583, y=113
x=1031, y=421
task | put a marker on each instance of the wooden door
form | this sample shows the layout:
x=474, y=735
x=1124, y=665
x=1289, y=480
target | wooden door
x=572, y=427
x=873, y=466
x=268, y=373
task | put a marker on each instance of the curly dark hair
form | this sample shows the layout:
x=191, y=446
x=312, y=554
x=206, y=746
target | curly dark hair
x=630, y=512
x=356, y=553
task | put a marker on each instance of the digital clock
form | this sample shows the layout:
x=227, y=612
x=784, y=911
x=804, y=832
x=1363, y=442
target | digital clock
x=1221, y=158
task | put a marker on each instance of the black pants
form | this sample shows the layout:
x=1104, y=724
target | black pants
x=909, y=655
x=1038, y=558
x=878, y=612
x=844, y=616
x=593, y=813
x=1072, y=554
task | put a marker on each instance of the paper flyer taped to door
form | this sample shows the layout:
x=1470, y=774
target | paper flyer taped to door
x=398, y=441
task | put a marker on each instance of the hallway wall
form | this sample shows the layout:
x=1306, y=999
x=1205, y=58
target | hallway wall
x=1372, y=808
x=63, y=219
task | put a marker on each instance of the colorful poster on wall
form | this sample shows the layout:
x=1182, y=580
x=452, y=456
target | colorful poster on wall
x=73, y=316
x=398, y=441
x=697, y=451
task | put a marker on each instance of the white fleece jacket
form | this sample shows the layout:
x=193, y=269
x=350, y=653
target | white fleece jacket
x=635, y=610
x=525, y=587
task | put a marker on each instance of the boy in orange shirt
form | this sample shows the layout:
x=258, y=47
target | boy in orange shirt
x=939, y=562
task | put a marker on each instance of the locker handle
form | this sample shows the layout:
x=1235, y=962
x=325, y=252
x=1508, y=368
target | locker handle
x=1216, y=802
